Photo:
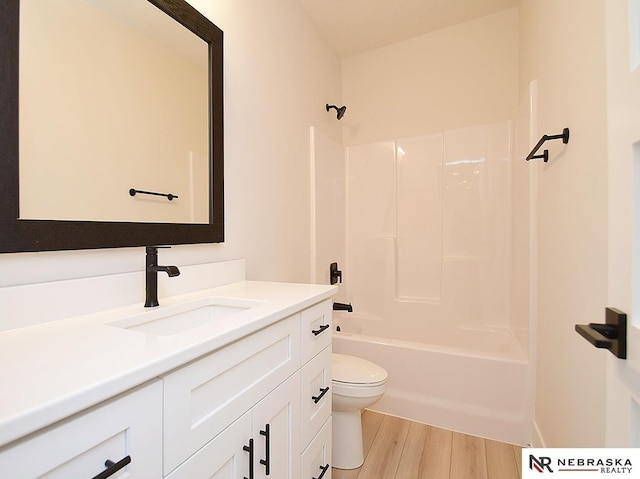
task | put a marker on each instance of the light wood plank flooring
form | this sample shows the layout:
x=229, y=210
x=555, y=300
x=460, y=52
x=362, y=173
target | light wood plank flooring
x=395, y=448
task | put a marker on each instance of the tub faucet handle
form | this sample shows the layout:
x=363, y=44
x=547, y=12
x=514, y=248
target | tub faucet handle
x=335, y=275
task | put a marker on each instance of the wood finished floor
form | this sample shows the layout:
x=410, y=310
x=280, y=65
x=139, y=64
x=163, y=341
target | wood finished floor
x=395, y=448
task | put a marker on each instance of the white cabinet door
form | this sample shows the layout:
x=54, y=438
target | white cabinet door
x=225, y=457
x=129, y=425
x=204, y=397
x=276, y=432
x=269, y=434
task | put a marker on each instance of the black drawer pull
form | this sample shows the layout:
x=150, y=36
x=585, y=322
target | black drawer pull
x=266, y=462
x=320, y=329
x=324, y=469
x=323, y=391
x=249, y=449
x=113, y=467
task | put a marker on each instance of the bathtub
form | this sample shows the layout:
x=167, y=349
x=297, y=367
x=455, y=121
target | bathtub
x=464, y=380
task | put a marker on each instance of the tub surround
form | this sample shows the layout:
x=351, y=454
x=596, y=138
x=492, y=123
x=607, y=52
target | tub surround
x=55, y=369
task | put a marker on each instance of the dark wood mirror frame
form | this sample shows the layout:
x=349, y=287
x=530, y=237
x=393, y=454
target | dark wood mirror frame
x=18, y=235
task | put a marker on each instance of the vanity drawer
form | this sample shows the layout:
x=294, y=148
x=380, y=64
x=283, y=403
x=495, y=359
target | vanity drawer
x=315, y=329
x=316, y=395
x=126, y=426
x=204, y=397
x=317, y=457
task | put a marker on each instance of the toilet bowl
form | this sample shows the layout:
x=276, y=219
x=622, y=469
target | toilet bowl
x=356, y=384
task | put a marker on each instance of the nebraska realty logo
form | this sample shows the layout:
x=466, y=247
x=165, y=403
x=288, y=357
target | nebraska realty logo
x=580, y=463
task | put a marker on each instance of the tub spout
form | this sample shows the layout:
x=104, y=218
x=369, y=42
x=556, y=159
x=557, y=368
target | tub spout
x=343, y=307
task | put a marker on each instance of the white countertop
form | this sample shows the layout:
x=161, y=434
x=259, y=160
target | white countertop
x=53, y=370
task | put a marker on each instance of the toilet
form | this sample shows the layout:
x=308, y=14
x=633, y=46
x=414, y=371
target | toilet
x=356, y=384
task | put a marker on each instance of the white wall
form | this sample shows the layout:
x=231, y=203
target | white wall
x=279, y=74
x=562, y=46
x=462, y=76
x=328, y=209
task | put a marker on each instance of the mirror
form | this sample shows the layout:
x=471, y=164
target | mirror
x=132, y=116
x=173, y=104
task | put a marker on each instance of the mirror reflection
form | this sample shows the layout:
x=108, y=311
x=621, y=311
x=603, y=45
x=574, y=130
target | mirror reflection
x=113, y=96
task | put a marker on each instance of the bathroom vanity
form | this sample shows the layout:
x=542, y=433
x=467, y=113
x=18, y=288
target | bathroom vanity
x=226, y=382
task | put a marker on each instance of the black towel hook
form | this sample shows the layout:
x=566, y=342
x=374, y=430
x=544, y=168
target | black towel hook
x=545, y=154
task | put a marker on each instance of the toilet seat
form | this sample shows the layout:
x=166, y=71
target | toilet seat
x=353, y=372
x=355, y=391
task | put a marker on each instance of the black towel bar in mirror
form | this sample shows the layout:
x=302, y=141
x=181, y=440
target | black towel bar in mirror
x=169, y=196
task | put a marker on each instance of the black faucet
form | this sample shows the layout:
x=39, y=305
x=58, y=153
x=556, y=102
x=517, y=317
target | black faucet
x=343, y=307
x=152, y=269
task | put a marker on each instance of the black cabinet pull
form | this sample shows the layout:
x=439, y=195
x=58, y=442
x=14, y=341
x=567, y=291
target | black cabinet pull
x=113, y=467
x=320, y=329
x=267, y=454
x=324, y=469
x=323, y=391
x=249, y=449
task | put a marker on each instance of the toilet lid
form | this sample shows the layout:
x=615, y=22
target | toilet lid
x=349, y=369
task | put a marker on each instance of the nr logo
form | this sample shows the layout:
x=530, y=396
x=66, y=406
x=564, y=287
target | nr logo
x=540, y=463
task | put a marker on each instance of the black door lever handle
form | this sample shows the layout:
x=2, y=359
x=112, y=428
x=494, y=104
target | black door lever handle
x=611, y=335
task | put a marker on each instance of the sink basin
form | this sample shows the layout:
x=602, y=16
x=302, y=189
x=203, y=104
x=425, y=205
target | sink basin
x=180, y=318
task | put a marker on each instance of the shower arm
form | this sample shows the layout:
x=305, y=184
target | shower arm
x=339, y=111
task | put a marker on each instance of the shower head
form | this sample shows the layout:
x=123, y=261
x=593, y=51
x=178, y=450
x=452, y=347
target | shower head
x=340, y=110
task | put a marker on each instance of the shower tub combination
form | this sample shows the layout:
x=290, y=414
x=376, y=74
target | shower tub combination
x=435, y=288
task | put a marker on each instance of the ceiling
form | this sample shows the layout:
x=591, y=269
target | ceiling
x=357, y=26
